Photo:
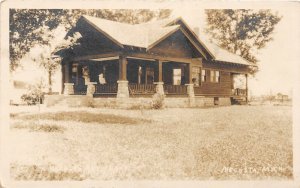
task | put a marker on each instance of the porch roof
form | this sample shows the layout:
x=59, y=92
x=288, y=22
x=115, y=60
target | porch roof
x=144, y=35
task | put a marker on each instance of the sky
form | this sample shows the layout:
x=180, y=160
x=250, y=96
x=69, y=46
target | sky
x=277, y=61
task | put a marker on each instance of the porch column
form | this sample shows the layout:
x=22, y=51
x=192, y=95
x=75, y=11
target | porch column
x=91, y=88
x=160, y=83
x=68, y=85
x=160, y=72
x=123, y=91
x=190, y=86
x=246, y=88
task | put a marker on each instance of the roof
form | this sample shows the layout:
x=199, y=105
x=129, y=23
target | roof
x=145, y=35
x=135, y=34
x=226, y=56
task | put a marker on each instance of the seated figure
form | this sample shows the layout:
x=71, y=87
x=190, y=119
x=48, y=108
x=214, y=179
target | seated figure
x=102, y=79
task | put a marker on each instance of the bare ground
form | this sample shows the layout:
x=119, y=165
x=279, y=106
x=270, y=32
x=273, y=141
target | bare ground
x=235, y=142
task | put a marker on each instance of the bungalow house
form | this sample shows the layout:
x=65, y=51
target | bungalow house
x=124, y=61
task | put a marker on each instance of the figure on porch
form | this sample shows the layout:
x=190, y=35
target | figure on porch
x=102, y=79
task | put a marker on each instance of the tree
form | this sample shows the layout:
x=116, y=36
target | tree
x=26, y=26
x=45, y=59
x=241, y=31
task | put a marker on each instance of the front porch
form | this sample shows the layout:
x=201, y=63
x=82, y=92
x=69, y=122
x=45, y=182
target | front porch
x=124, y=77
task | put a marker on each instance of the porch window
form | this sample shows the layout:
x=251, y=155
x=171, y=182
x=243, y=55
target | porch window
x=149, y=75
x=177, y=76
x=196, y=76
x=75, y=73
x=140, y=72
x=203, y=75
x=215, y=76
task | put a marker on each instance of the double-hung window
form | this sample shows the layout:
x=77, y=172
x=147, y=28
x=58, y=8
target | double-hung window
x=214, y=76
x=203, y=75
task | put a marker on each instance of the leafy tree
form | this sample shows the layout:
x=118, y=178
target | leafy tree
x=27, y=26
x=241, y=31
x=45, y=57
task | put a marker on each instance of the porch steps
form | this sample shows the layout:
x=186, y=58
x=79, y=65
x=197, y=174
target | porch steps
x=238, y=100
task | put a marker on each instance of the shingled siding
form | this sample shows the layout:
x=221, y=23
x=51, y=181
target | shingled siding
x=223, y=88
x=176, y=45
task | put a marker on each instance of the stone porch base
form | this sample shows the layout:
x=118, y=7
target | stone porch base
x=169, y=102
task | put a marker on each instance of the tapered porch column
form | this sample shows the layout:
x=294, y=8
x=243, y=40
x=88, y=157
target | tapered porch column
x=160, y=83
x=68, y=85
x=123, y=91
x=190, y=85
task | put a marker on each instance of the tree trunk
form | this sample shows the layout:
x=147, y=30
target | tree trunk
x=50, y=82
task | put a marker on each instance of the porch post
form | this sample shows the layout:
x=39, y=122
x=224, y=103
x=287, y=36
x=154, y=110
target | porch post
x=190, y=86
x=123, y=91
x=160, y=73
x=68, y=85
x=91, y=88
x=246, y=88
x=62, y=77
x=190, y=71
x=160, y=83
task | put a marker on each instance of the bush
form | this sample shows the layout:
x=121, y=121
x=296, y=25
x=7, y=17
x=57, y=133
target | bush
x=158, y=101
x=34, y=94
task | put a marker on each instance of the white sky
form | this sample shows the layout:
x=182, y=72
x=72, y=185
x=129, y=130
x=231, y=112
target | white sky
x=278, y=60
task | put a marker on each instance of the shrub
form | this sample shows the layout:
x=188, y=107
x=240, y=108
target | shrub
x=34, y=94
x=158, y=101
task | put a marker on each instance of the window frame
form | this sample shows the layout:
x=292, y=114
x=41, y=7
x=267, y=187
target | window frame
x=204, y=76
x=215, y=76
x=198, y=73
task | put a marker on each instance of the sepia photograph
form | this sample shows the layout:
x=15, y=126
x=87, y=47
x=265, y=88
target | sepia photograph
x=159, y=93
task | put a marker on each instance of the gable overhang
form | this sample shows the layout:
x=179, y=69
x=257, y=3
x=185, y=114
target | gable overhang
x=192, y=32
x=161, y=39
x=103, y=32
x=185, y=34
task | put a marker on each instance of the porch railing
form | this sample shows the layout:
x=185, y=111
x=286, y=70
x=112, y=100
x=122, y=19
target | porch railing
x=239, y=92
x=106, y=89
x=141, y=88
x=175, y=89
x=80, y=89
x=197, y=90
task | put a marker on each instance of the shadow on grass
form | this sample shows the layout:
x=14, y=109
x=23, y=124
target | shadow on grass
x=81, y=116
x=33, y=126
x=38, y=173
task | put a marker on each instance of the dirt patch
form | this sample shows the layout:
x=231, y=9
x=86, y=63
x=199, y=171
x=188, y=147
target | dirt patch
x=85, y=117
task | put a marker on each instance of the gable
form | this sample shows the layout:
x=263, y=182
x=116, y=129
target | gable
x=176, y=45
x=92, y=41
x=192, y=36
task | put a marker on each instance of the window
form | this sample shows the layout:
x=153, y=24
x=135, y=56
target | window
x=196, y=76
x=75, y=73
x=215, y=76
x=177, y=74
x=218, y=76
x=203, y=75
x=149, y=75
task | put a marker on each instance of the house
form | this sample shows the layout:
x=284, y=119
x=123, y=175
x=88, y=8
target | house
x=124, y=61
x=281, y=97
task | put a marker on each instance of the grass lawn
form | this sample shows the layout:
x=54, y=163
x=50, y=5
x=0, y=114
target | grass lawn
x=235, y=142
